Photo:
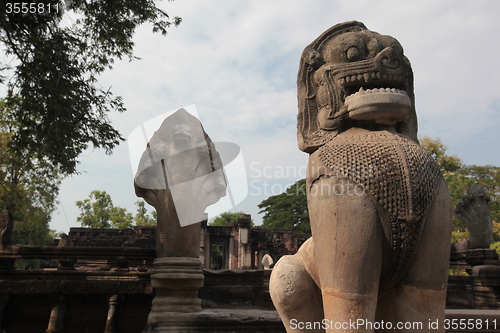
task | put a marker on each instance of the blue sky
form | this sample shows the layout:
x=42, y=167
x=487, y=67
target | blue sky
x=237, y=61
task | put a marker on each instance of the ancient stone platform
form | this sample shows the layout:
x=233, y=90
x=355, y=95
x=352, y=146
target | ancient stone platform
x=265, y=321
x=225, y=321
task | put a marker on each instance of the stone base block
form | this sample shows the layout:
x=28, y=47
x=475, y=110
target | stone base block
x=176, y=281
x=220, y=321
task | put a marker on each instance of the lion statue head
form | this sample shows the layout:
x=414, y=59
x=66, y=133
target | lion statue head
x=351, y=76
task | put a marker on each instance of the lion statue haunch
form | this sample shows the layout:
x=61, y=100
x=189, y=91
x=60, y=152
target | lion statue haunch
x=379, y=208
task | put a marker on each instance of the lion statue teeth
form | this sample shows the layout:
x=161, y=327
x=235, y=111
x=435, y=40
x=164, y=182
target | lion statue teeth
x=379, y=208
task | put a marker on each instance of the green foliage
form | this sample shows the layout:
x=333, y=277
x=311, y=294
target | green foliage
x=29, y=184
x=224, y=219
x=437, y=150
x=496, y=231
x=120, y=218
x=98, y=211
x=454, y=173
x=457, y=271
x=459, y=178
x=458, y=236
x=56, y=70
x=142, y=217
x=287, y=210
x=496, y=246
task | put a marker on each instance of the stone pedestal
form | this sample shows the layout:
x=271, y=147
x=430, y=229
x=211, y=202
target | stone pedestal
x=222, y=321
x=483, y=256
x=176, y=281
x=486, y=287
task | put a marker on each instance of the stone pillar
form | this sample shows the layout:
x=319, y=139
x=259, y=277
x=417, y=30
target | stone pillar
x=113, y=314
x=56, y=321
x=176, y=282
x=205, y=250
x=233, y=253
x=244, y=246
x=259, y=254
x=180, y=174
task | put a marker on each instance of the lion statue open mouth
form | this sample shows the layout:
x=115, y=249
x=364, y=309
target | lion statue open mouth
x=379, y=208
x=351, y=74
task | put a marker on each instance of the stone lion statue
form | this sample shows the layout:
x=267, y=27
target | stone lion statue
x=379, y=208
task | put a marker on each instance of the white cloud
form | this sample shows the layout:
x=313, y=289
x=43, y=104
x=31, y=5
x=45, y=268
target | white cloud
x=238, y=60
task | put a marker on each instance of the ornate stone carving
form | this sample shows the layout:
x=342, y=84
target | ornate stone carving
x=267, y=261
x=400, y=176
x=329, y=73
x=474, y=211
x=179, y=174
x=379, y=208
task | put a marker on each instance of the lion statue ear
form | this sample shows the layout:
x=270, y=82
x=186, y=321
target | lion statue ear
x=310, y=135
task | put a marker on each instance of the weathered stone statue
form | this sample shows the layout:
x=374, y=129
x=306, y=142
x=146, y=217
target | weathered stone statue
x=267, y=261
x=379, y=208
x=179, y=174
x=474, y=211
x=65, y=240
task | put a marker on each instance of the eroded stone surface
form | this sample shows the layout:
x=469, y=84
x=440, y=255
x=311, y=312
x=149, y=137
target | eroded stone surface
x=379, y=208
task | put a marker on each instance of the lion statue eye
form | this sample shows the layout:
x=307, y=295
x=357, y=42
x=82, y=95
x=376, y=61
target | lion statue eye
x=352, y=53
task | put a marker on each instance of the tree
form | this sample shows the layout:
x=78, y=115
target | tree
x=142, y=217
x=224, y=219
x=287, y=210
x=455, y=174
x=437, y=150
x=29, y=185
x=98, y=211
x=120, y=218
x=460, y=177
x=56, y=69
